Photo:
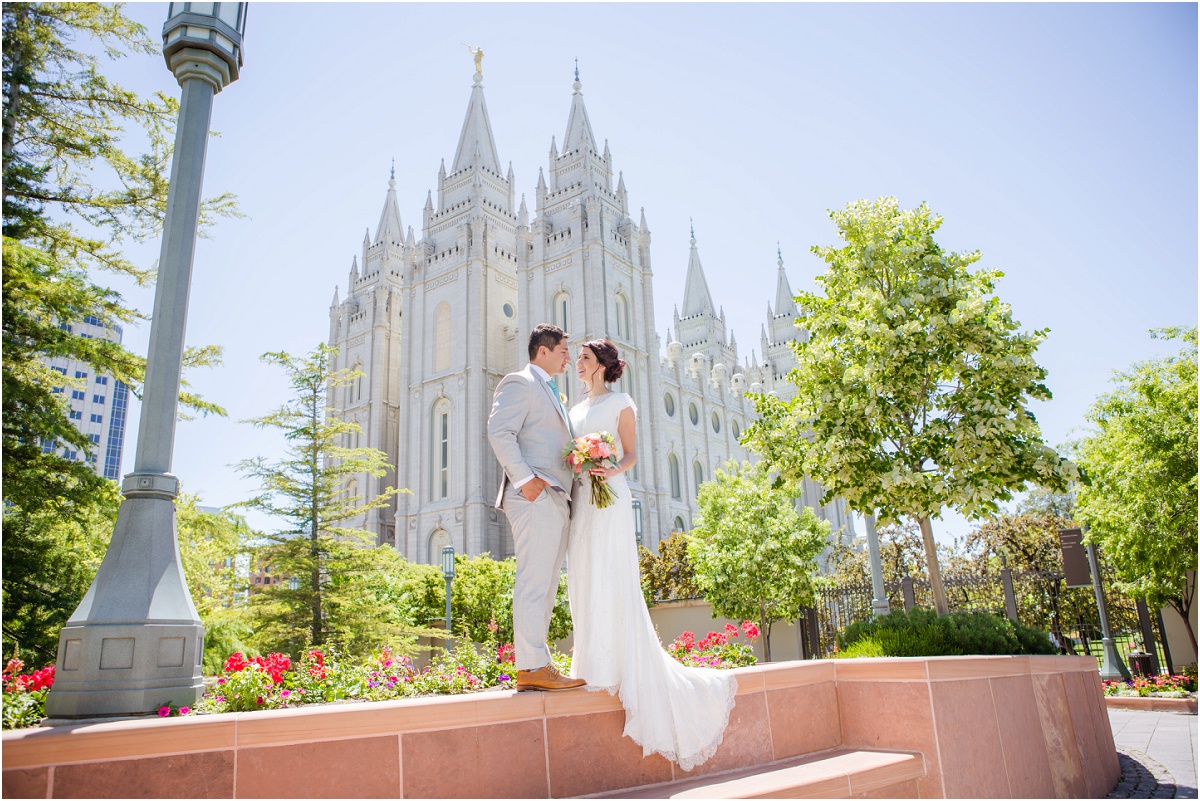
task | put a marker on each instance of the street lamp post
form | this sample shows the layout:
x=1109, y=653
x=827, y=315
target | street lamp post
x=1111, y=667
x=135, y=643
x=637, y=520
x=448, y=572
x=879, y=603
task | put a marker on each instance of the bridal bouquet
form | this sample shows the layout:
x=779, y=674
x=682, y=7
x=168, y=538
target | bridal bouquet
x=589, y=452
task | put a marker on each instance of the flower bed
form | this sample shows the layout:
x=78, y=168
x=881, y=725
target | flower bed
x=717, y=649
x=1178, y=686
x=328, y=675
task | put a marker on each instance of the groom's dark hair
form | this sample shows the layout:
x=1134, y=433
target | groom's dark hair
x=545, y=334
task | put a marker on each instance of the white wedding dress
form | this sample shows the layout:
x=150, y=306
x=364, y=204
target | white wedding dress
x=677, y=711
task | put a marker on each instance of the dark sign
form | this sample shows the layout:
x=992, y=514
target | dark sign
x=1074, y=555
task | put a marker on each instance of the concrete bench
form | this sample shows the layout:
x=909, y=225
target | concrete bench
x=841, y=773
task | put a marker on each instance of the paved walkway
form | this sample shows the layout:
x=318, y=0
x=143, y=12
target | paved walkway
x=1159, y=750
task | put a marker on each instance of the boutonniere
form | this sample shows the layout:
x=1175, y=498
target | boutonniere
x=562, y=399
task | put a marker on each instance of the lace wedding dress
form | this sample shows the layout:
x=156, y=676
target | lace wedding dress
x=673, y=710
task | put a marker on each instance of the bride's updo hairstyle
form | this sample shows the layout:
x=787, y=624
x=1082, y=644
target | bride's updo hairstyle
x=606, y=354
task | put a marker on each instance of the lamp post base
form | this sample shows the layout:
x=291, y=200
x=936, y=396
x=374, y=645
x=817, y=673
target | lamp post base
x=1112, y=667
x=135, y=643
x=141, y=668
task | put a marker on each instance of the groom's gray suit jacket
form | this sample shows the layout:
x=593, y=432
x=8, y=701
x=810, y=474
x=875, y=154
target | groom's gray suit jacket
x=528, y=430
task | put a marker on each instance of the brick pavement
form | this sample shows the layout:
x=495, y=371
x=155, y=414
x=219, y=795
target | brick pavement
x=1158, y=754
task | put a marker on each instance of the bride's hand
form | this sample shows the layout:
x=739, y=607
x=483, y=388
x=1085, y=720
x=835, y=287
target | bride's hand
x=604, y=472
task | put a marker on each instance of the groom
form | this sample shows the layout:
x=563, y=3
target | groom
x=528, y=430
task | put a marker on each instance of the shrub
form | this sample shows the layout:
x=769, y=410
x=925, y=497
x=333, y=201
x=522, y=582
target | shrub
x=922, y=632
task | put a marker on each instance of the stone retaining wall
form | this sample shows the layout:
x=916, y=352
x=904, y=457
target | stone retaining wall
x=987, y=726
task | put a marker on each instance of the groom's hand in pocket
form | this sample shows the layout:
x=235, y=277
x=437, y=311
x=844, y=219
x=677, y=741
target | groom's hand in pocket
x=532, y=488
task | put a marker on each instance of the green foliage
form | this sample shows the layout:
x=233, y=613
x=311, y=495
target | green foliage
x=72, y=199
x=865, y=648
x=338, y=568
x=922, y=632
x=1019, y=541
x=900, y=554
x=753, y=554
x=249, y=689
x=212, y=548
x=669, y=575
x=482, y=597
x=64, y=122
x=1140, y=502
x=19, y=710
x=51, y=554
x=914, y=382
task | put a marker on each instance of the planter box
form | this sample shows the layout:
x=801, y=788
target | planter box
x=1182, y=706
x=1019, y=726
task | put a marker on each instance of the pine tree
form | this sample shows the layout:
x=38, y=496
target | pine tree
x=323, y=563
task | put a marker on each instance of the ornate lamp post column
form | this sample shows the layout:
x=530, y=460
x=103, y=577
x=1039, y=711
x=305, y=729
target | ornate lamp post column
x=448, y=573
x=135, y=643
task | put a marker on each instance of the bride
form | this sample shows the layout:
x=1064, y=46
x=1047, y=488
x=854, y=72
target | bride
x=673, y=710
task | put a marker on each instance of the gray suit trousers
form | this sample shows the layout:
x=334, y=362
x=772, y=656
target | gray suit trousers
x=540, y=539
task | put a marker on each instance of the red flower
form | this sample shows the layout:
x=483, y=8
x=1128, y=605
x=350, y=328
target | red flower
x=41, y=679
x=750, y=629
x=316, y=667
x=235, y=663
x=731, y=630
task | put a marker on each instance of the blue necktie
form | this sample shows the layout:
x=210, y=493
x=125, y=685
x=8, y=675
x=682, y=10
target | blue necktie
x=558, y=399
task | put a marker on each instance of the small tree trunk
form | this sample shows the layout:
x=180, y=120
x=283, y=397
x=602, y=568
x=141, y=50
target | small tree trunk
x=935, y=572
x=1183, y=610
x=764, y=629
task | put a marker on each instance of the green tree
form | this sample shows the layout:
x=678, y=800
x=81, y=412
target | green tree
x=308, y=489
x=73, y=197
x=901, y=555
x=38, y=601
x=51, y=555
x=913, y=384
x=1140, y=501
x=668, y=575
x=213, y=549
x=1027, y=542
x=482, y=595
x=753, y=554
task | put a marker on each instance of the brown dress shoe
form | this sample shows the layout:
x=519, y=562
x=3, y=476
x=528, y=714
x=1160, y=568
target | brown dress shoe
x=545, y=678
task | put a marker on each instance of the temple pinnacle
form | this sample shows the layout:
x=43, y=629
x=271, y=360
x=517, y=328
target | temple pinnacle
x=577, y=69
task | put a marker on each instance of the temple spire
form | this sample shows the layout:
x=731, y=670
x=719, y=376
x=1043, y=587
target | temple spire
x=476, y=134
x=579, y=129
x=696, y=297
x=390, y=228
x=785, y=301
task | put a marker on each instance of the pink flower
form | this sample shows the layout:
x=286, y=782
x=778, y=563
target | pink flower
x=731, y=630
x=285, y=694
x=750, y=629
x=164, y=711
x=184, y=710
x=260, y=700
x=221, y=680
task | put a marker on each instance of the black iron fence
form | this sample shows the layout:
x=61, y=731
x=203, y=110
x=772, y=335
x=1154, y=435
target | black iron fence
x=1035, y=598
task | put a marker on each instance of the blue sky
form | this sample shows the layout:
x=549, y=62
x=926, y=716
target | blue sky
x=1060, y=140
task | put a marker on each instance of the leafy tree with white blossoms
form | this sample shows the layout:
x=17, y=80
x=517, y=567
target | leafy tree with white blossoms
x=914, y=382
x=753, y=554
